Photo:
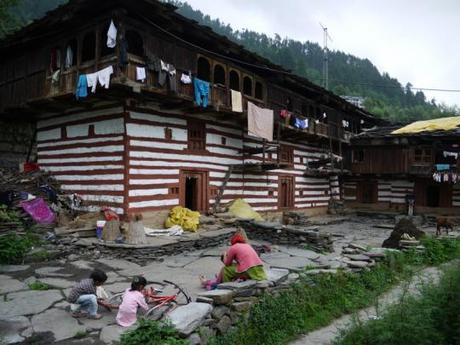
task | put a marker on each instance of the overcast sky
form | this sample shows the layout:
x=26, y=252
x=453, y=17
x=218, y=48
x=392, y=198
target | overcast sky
x=414, y=41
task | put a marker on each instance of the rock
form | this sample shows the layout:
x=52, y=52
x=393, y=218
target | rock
x=304, y=253
x=358, y=257
x=72, y=257
x=81, y=264
x=9, y=284
x=11, y=327
x=375, y=255
x=29, y=302
x=292, y=277
x=247, y=284
x=219, y=296
x=111, y=334
x=322, y=270
x=118, y=264
x=264, y=284
x=194, y=339
x=404, y=226
x=13, y=268
x=58, y=282
x=241, y=306
x=189, y=317
x=347, y=250
x=219, y=311
x=58, y=322
x=51, y=272
x=108, y=318
x=277, y=275
x=357, y=246
x=206, y=333
x=356, y=264
x=202, y=299
x=224, y=324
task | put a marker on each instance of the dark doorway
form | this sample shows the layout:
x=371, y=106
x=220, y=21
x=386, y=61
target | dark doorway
x=432, y=196
x=193, y=191
x=367, y=192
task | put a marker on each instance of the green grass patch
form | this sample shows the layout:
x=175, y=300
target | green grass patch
x=80, y=335
x=39, y=286
x=152, y=333
x=315, y=301
x=14, y=247
x=8, y=216
x=433, y=318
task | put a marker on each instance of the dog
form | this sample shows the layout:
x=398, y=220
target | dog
x=443, y=222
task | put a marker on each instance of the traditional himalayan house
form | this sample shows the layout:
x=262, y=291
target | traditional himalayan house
x=393, y=167
x=141, y=109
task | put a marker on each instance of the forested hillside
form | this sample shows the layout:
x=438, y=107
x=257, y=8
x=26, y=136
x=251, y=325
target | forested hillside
x=348, y=74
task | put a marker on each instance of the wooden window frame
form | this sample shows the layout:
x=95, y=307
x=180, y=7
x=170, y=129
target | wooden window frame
x=196, y=136
x=286, y=154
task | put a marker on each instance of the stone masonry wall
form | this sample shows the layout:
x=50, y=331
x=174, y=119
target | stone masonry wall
x=15, y=139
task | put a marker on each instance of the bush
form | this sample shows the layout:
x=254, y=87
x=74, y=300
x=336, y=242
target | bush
x=432, y=318
x=152, y=333
x=13, y=247
x=38, y=286
x=8, y=216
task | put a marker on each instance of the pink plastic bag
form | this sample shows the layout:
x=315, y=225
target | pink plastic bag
x=39, y=211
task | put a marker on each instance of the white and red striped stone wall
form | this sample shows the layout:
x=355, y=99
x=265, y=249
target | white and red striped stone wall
x=124, y=159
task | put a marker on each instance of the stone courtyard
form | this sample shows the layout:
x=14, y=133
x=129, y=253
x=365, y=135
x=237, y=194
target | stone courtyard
x=41, y=317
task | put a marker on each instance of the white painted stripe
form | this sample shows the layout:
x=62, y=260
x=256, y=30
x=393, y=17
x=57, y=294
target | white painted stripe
x=49, y=135
x=79, y=141
x=223, y=151
x=321, y=198
x=265, y=208
x=148, y=192
x=152, y=181
x=105, y=198
x=80, y=159
x=216, y=139
x=247, y=184
x=77, y=117
x=113, y=126
x=106, y=187
x=154, y=171
x=157, y=118
x=80, y=150
x=153, y=203
x=158, y=145
x=224, y=129
x=82, y=167
x=178, y=157
x=93, y=208
x=149, y=131
x=89, y=177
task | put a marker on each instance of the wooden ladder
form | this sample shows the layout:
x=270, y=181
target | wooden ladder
x=220, y=194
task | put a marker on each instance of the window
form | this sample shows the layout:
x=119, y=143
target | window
x=71, y=54
x=259, y=91
x=203, y=69
x=358, y=156
x=219, y=75
x=247, y=86
x=286, y=154
x=55, y=59
x=196, y=136
x=223, y=140
x=168, y=133
x=422, y=155
x=135, y=43
x=234, y=81
x=104, y=50
x=174, y=190
x=88, y=50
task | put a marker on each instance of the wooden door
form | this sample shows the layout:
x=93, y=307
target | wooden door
x=367, y=192
x=286, y=192
x=193, y=193
x=432, y=194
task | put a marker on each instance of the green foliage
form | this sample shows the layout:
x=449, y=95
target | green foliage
x=432, y=318
x=39, y=286
x=317, y=300
x=13, y=247
x=80, y=335
x=152, y=333
x=8, y=216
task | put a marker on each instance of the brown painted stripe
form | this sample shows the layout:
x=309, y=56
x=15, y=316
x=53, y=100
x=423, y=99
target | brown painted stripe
x=81, y=155
x=89, y=172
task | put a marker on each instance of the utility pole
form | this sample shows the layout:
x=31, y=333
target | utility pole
x=326, y=37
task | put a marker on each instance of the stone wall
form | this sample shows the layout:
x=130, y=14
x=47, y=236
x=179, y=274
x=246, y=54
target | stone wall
x=15, y=139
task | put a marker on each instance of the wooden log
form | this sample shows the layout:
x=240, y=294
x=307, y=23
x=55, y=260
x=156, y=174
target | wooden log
x=111, y=230
x=136, y=233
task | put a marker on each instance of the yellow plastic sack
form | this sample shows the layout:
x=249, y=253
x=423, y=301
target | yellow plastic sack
x=241, y=209
x=189, y=220
x=442, y=124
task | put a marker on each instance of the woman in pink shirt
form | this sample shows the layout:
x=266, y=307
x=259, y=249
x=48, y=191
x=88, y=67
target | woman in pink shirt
x=132, y=299
x=248, y=263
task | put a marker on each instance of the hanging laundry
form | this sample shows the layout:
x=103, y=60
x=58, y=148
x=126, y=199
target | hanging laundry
x=140, y=74
x=237, y=101
x=92, y=81
x=104, y=76
x=167, y=74
x=301, y=123
x=445, y=177
x=185, y=79
x=201, y=89
x=450, y=154
x=112, y=35
x=82, y=87
x=292, y=120
x=284, y=113
x=442, y=167
x=55, y=59
x=68, y=57
x=55, y=77
x=260, y=122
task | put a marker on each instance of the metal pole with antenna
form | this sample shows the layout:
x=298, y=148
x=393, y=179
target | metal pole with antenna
x=326, y=37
